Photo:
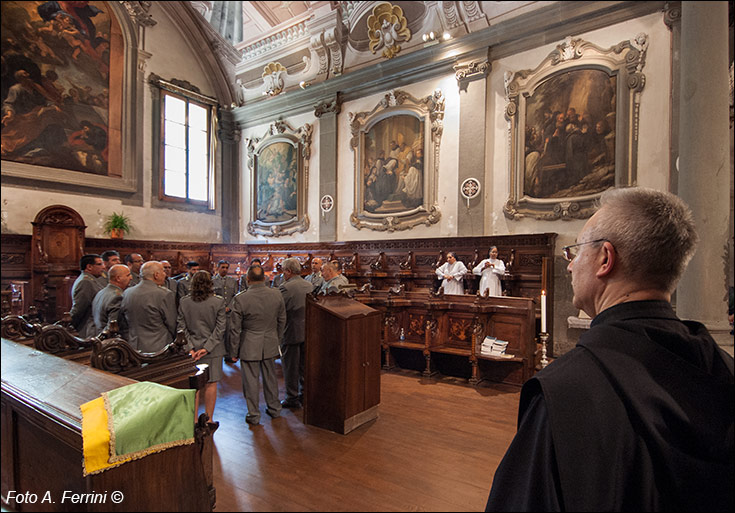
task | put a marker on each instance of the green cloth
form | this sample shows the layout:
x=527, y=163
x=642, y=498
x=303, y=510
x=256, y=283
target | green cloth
x=147, y=417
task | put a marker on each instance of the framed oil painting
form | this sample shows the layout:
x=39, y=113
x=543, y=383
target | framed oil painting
x=68, y=81
x=396, y=148
x=279, y=162
x=574, y=128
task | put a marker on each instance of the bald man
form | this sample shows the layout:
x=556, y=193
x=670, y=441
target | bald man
x=148, y=311
x=106, y=304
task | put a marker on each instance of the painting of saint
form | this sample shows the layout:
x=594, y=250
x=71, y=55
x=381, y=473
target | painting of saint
x=277, y=176
x=393, y=167
x=570, y=135
x=56, y=85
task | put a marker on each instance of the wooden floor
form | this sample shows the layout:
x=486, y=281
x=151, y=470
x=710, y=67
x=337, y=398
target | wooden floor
x=434, y=447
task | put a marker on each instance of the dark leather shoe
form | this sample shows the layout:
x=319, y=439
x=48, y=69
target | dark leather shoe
x=273, y=414
x=252, y=420
x=291, y=403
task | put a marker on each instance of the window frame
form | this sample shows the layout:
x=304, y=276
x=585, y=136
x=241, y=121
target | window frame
x=190, y=94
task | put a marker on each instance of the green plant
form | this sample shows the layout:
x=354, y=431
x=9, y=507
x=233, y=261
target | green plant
x=117, y=221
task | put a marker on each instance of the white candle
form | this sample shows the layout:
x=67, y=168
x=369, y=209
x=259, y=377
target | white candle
x=543, y=311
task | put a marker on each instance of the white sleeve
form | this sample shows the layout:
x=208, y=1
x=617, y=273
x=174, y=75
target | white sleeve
x=499, y=267
x=478, y=268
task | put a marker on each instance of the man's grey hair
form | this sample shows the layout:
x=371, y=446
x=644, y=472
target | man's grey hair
x=652, y=231
x=148, y=269
x=330, y=266
x=292, y=265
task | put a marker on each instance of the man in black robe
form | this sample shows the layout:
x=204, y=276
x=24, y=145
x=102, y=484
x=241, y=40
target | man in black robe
x=639, y=415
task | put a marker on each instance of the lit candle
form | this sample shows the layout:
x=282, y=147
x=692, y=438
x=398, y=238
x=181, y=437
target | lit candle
x=543, y=311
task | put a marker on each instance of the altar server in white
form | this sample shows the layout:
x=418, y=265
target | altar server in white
x=452, y=271
x=491, y=269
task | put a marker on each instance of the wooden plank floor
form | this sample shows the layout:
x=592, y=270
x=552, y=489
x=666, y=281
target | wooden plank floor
x=434, y=447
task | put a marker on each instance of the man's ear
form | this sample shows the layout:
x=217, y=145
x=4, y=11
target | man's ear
x=606, y=260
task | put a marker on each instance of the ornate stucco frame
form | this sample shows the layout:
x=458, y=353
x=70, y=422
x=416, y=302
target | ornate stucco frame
x=626, y=61
x=395, y=103
x=299, y=138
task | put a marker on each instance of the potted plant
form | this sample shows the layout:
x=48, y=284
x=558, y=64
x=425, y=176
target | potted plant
x=116, y=225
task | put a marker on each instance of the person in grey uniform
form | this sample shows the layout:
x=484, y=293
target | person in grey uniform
x=184, y=283
x=243, y=281
x=258, y=323
x=332, y=280
x=202, y=317
x=148, y=311
x=294, y=292
x=109, y=258
x=315, y=278
x=134, y=261
x=82, y=294
x=169, y=282
x=106, y=304
x=225, y=286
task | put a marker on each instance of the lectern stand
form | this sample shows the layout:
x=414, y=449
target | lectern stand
x=342, y=365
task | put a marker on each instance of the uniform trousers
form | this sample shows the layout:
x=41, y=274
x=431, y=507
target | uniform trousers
x=250, y=371
x=293, y=369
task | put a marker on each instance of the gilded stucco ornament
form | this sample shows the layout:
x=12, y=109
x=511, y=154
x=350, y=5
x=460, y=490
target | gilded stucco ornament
x=273, y=79
x=386, y=28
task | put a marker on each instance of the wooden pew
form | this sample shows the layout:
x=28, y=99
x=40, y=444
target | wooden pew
x=42, y=444
x=171, y=366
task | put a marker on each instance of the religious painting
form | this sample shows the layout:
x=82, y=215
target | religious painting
x=396, y=149
x=279, y=162
x=68, y=81
x=574, y=128
x=56, y=84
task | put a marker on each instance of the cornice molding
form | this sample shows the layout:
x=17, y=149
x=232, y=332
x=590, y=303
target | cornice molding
x=506, y=38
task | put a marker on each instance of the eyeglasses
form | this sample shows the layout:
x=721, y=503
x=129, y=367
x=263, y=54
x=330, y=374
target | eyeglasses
x=570, y=252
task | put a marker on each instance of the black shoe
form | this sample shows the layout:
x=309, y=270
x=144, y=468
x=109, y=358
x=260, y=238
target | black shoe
x=291, y=403
x=272, y=414
x=252, y=419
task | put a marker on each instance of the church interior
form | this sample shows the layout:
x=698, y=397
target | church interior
x=386, y=136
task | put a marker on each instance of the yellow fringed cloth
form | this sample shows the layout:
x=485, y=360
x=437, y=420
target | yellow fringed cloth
x=133, y=421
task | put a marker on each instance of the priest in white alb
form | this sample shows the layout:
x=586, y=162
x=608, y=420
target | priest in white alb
x=452, y=272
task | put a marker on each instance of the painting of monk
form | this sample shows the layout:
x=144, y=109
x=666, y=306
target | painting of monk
x=393, y=169
x=570, y=135
x=56, y=83
x=276, y=181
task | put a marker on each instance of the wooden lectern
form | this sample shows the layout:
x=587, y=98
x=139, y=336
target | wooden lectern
x=342, y=365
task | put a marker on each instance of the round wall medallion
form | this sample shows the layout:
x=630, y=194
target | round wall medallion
x=470, y=188
x=326, y=203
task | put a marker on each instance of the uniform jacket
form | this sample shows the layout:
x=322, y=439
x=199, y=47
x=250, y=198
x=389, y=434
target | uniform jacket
x=294, y=297
x=83, y=292
x=316, y=279
x=204, y=323
x=148, y=315
x=225, y=287
x=258, y=321
x=106, y=306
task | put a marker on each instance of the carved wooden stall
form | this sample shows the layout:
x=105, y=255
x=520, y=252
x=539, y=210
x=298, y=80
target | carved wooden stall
x=449, y=329
x=42, y=443
x=57, y=246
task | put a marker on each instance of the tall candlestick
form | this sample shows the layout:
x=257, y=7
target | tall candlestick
x=543, y=311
